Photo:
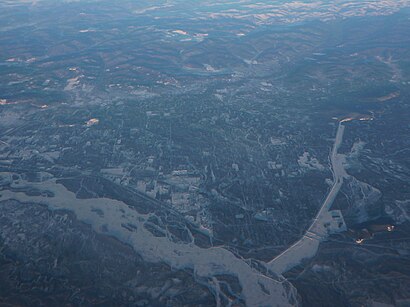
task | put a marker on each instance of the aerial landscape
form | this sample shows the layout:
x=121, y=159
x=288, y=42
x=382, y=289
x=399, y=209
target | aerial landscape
x=205, y=153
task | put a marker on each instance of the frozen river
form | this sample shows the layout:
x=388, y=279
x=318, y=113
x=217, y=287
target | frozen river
x=325, y=222
x=257, y=288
